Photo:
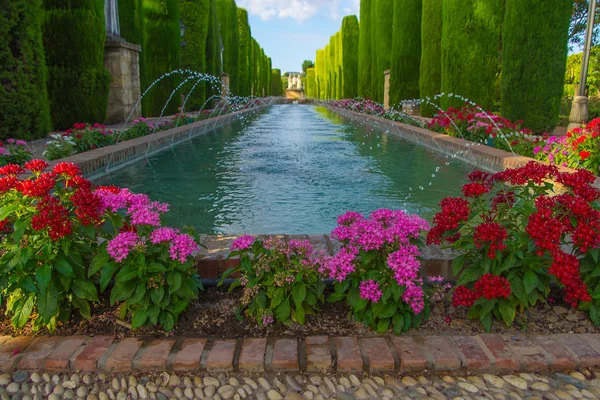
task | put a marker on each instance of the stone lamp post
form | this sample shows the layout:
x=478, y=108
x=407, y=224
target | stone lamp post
x=579, y=109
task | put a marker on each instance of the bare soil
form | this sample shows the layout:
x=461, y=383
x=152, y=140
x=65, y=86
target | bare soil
x=214, y=315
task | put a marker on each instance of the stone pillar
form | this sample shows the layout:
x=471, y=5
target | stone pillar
x=386, y=89
x=224, y=84
x=579, y=112
x=121, y=59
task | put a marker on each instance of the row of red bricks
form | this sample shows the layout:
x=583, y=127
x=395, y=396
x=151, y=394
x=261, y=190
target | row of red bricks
x=488, y=352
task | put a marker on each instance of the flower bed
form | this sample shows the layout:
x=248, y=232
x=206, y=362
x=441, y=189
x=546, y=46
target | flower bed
x=14, y=152
x=85, y=137
x=579, y=149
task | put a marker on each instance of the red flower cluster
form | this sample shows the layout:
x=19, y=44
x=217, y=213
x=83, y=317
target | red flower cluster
x=38, y=187
x=66, y=169
x=52, y=216
x=7, y=183
x=489, y=286
x=532, y=171
x=454, y=211
x=88, y=206
x=475, y=189
x=36, y=166
x=566, y=269
x=491, y=234
x=11, y=170
x=580, y=182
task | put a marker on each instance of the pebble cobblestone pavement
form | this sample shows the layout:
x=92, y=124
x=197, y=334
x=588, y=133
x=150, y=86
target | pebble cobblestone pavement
x=22, y=385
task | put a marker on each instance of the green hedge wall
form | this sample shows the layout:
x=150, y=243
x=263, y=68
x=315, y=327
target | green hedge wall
x=430, y=82
x=350, y=38
x=311, y=86
x=213, y=51
x=195, y=18
x=253, y=67
x=320, y=74
x=78, y=83
x=339, y=51
x=326, y=74
x=365, y=55
x=131, y=24
x=333, y=68
x=406, y=51
x=245, y=51
x=162, y=54
x=382, y=40
x=276, y=82
x=471, y=37
x=227, y=13
x=24, y=104
x=534, y=55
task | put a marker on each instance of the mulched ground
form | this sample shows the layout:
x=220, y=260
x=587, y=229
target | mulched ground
x=214, y=315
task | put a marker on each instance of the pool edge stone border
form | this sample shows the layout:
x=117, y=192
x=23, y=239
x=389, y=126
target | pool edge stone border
x=486, y=353
x=93, y=163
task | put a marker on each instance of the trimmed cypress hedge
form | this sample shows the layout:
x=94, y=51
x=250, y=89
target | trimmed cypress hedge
x=195, y=17
x=339, y=50
x=311, y=86
x=406, y=52
x=430, y=82
x=227, y=13
x=254, y=68
x=276, y=82
x=244, y=83
x=78, y=83
x=24, y=104
x=365, y=54
x=350, y=38
x=326, y=74
x=213, y=51
x=471, y=36
x=534, y=54
x=162, y=54
x=332, y=68
x=319, y=74
x=131, y=21
x=382, y=39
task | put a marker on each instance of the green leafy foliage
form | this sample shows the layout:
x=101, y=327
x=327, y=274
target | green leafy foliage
x=430, y=78
x=24, y=104
x=365, y=51
x=350, y=38
x=78, y=83
x=280, y=280
x=471, y=35
x=534, y=55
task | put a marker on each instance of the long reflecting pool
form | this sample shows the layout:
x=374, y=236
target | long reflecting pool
x=292, y=169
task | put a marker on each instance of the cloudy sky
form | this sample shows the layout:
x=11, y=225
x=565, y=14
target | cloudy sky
x=291, y=31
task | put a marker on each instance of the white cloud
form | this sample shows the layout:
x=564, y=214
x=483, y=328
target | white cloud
x=299, y=10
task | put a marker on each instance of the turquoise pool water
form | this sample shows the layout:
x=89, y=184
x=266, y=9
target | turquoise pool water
x=292, y=169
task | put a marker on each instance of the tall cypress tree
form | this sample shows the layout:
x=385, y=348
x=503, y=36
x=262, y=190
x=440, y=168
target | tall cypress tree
x=24, y=105
x=311, y=85
x=535, y=37
x=350, y=38
x=406, y=51
x=162, y=54
x=78, y=84
x=382, y=41
x=195, y=15
x=245, y=52
x=471, y=37
x=326, y=74
x=365, y=54
x=430, y=81
x=276, y=82
x=228, y=22
x=213, y=50
x=131, y=23
x=319, y=74
x=332, y=68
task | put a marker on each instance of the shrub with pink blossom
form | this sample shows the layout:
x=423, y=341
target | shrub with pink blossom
x=280, y=279
x=14, y=152
x=153, y=267
x=377, y=269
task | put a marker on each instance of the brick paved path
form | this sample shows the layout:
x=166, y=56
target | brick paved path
x=482, y=353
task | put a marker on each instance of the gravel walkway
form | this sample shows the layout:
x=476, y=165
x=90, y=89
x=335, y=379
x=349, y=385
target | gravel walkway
x=561, y=386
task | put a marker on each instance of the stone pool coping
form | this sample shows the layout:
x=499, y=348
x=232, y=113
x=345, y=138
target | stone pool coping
x=93, y=163
x=384, y=353
x=212, y=260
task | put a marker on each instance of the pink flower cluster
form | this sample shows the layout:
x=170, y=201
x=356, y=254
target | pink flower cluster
x=242, y=243
x=388, y=232
x=369, y=290
x=145, y=213
x=121, y=245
